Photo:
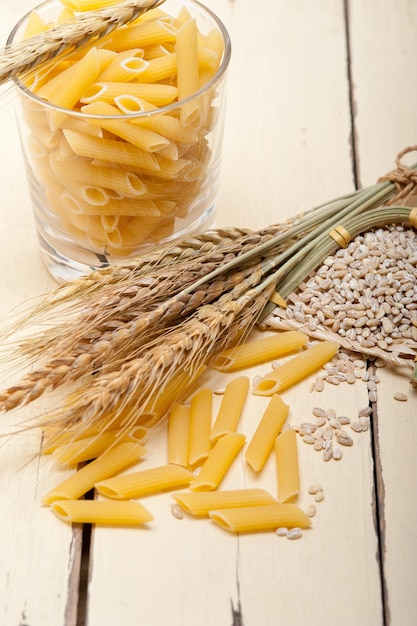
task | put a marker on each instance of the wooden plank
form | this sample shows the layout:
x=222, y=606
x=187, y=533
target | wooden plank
x=384, y=53
x=287, y=135
x=396, y=432
x=286, y=148
x=40, y=556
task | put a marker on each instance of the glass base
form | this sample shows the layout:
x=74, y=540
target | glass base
x=64, y=268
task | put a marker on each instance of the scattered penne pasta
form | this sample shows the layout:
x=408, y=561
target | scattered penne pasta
x=101, y=512
x=260, y=518
x=231, y=407
x=218, y=462
x=288, y=473
x=145, y=482
x=179, y=435
x=296, y=369
x=201, y=503
x=109, y=463
x=200, y=425
x=266, y=432
x=259, y=351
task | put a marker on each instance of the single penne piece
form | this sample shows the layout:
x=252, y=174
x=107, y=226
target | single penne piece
x=296, y=369
x=199, y=503
x=145, y=482
x=170, y=127
x=143, y=33
x=188, y=71
x=101, y=512
x=260, y=518
x=109, y=463
x=55, y=438
x=288, y=473
x=124, y=68
x=259, y=351
x=158, y=94
x=143, y=138
x=231, y=407
x=90, y=448
x=178, y=434
x=266, y=432
x=200, y=425
x=67, y=87
x=111, y=150
x=218, y=462
x=81, y=171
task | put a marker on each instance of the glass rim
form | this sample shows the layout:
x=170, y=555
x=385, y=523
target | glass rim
x=140, y=114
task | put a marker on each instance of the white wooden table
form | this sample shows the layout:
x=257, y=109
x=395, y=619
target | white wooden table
x=322, y=96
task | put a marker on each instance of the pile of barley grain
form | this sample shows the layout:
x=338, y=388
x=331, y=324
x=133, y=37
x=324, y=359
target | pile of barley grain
x=365, y=295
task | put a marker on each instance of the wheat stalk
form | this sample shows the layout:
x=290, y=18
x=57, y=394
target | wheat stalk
x=23, y=56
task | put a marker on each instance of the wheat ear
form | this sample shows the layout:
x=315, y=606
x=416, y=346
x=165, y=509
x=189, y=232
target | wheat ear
x=23, y=56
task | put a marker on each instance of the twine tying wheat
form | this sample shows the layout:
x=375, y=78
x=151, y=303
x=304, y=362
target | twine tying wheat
x=403, y=177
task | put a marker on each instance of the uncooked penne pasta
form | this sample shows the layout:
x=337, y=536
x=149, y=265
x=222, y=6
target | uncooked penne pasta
x=108, y=464
x=296, y=368
x=288, y=473
x=259, y=350
x=260, y=518
x=188, y=71
x=218, y=462
x=200, y=425
x=145, y=482
x=199, y=503
x=143, y=138
x=101, y=512
x=231, y=407
x=157, y=94
x=91, y=447
x=178, y=435
x=266, y=432
x=81, y=171
x=142, y=33
x=111, y=150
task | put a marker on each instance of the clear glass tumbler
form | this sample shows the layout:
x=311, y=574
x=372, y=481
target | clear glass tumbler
x=122, y=139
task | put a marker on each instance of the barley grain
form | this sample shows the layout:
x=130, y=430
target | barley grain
x=402, y=397
x=294, y=533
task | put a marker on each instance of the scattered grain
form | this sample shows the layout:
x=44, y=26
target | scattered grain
x=176, y=511
x=315, y=489
x=311, y=510
x=281, y=532
x=294, y=533
x=401, y=397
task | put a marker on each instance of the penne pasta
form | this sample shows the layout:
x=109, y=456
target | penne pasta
x=188, y=71
x=107, y=464
x=143, y=33
x=288, y=473
x=111, y=150
x=101, y=512
x=218, y=462
x=296, y=368
x=178, y=435
x=145, y=482
x=124, y=68
x=91, y=447
x=157, y=94
x=259, y=351
x=141, y=137
x=260, y=518
x=201, y=503
x=231, y=407
x=200, y=425
x=266, y=432
x=81, y=171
